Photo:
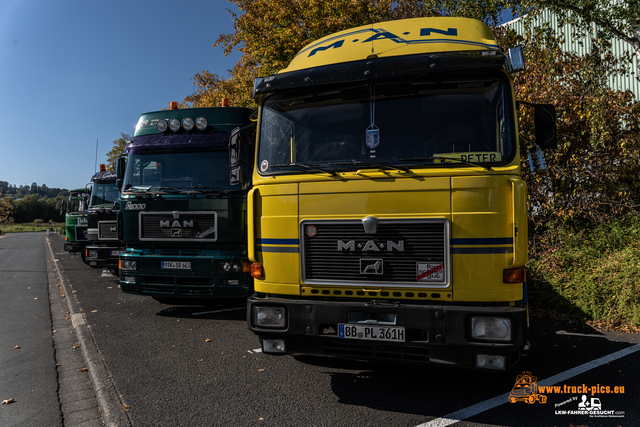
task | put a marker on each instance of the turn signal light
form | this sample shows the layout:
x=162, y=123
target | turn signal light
x=257, y=272
x=246, y=267
x=513, y=275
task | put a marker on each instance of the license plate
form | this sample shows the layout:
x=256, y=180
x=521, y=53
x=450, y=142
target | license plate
x=178, y=265
x=117, y=252
x=371, y=332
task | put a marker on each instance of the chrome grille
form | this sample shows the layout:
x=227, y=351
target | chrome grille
x=108, y=230
x=179, y=226
x=335, y=252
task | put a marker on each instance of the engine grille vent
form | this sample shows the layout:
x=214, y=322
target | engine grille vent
x=392, y=252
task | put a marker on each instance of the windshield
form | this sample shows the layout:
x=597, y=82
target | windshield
x=177, y=172
x=76, y=203
x=103, y=194
x=402, y=123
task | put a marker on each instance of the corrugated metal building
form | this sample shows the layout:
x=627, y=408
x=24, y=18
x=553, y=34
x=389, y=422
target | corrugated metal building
x=582, y=46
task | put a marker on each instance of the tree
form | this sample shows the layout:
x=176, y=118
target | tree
x=5, y=209
x=592, y=176
x=117, y=150
x=269, y=33
x=612, y=18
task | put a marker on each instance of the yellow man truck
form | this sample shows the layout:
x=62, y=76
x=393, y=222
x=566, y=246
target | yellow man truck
x=387, y=218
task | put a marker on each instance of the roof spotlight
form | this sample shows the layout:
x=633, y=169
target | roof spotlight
x=187, y=123
x=174, y=124
x=161, y=125
x=201, y=123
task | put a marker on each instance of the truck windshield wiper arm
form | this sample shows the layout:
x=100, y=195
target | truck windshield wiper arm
x=311, y=168
x=466, y=162
x=444, y=160
x=166, y=190
x=382, y=165
x=202, y=190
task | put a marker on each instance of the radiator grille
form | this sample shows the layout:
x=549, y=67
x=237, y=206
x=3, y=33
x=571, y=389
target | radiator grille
x=179, y=226
x=81, y=232
x=400, y=252
x=108, y=230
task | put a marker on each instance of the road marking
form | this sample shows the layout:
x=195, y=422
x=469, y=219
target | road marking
x=579, y=335
x=255, y=350
x=77, y=320
x=474, y=410
x=218, y=311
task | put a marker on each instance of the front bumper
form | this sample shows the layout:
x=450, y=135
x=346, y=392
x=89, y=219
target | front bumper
x=75, y=246
x=103, y=256
x=202, y=280
x=434, y=333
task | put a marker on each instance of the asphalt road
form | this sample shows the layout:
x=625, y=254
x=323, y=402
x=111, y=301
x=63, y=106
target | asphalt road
x=27, y=359
x=199, y=366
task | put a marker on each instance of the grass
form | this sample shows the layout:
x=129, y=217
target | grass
x=29, y=227
x=591, y=275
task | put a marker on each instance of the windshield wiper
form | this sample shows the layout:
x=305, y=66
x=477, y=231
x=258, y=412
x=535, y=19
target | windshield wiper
x=381, y=165
x=466, y=162
x=311, y=168
x=444, y=160
x=166, y=190
x=204, y=190
x=133, y=191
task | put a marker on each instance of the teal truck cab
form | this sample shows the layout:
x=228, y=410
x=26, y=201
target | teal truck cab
x=104, y=245
x=183, y=224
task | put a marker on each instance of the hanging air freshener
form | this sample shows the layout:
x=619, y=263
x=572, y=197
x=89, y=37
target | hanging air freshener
x=372, y=133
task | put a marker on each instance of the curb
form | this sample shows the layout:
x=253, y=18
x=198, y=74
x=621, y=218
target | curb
x=110, y=404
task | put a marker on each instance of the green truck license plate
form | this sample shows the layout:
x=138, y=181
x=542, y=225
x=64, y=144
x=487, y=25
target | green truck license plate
x=178, y=265
x=371, y=332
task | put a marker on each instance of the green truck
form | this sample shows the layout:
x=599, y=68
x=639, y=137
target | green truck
x=75, y=221
x=183, y=224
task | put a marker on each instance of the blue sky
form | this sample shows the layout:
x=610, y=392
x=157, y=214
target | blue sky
x=73, y=72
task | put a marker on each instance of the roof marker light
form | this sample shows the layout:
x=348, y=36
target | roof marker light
x=173, y=105
x=226, y=102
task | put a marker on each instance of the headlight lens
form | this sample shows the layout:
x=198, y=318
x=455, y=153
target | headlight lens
x=92, y=253
x=491, y=329
x=201, y=123
x=161, y=125
x=187, y=123
x=174, y=125
x=128, y=265
x=269, y=317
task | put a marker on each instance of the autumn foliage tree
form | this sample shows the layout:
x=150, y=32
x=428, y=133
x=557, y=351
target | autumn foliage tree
x=269, y=33
x=593, y=175
x=117, y=150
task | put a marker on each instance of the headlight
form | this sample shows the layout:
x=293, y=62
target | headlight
x=174, y=125
x=269, y=317
x=92, y=253
x=128, y=265
x=161, y=125
x=201, y=123
x=232, y=266
x=187, y=123
x=491, y=329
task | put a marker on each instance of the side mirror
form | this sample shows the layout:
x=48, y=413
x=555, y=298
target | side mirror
x=546, y=128
x=235, y=171
x=121, y=164
x=516, y=57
